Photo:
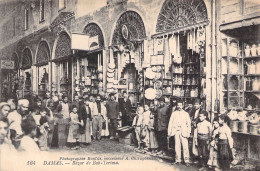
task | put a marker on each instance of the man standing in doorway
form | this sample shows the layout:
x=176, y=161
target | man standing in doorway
x=180, y=128
x=126, y=111
x=112, y=114
x=98, y=115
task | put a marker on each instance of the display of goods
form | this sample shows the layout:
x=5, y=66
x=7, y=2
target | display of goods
x=242, y=126
x=157, y=84
x=232, y=115
x=100, y=76
x=253, y=50
x=253, y=118
x=111, y=65
x=158, y=75
x=149, y=73
x=110, y=80
x=158, y=94
x=150, y=93
x=242, y=116
x=110, y=70
x=110, y=75
x=253, y=129
x=234, y=126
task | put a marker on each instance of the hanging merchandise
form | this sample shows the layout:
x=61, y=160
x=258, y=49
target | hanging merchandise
x=172, y=45
x=150, y=93
x=166, y=56
x=159, y=46
x=158, y=94
x=149, y=73
x=146, y=60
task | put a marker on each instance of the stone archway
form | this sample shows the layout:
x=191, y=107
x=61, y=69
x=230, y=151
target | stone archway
x=129, y=26
x=180, y=13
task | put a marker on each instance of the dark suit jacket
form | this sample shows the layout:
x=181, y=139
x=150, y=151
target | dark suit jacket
x=112, y=109
x=126, y=109
x=83, y=115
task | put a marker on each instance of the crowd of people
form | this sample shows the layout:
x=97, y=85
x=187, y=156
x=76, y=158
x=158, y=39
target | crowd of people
x=35, y=125
x=210, y=146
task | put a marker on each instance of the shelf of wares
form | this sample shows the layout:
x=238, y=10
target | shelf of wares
x=252, y=75
x=237, y=57
x=183, y=97
x=241, y=91
x=252, y=57
x=243, y=133
x=185, y=85
x=167, y=94
x=233, y=74
x=252, y=110
x=191, y=63
x=252, y=91
x=184, y=74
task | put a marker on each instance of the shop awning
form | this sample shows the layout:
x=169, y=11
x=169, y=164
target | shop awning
x=84, y=42
x=65, y=58
x=240, y=24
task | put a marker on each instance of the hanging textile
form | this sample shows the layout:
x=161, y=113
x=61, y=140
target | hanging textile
x=172, y=45
x=166, y=55
x=147, y=49
x=160, y=44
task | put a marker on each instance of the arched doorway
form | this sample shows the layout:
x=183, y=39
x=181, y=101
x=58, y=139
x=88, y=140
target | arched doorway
x=180, y=40
x=26, y=73
x=62, y=68
x=91, y=71
x=42, y=59
x=127, y=53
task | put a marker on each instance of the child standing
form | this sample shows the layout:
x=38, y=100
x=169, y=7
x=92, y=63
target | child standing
x=137, y=124
x=202, y=136
x=43, y=131
x=213, y=154
x=73, y=136
x=225, y=143
x=144, y=130
x=153, y=144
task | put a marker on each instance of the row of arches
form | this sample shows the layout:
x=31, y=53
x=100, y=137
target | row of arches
x=173, y=14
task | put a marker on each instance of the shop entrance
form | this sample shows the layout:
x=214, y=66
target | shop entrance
x=129, y=76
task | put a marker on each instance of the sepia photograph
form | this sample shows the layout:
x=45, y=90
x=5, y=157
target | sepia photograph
x=125, y=85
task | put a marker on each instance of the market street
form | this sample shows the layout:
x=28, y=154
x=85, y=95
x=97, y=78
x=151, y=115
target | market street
x=110, y=150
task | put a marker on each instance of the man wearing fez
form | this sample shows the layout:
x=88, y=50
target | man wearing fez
x=112, y=114
x=125, y=108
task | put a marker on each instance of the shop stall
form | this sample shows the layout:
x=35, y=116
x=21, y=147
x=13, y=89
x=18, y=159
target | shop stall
x=42, y=69
x=9, y=77
x=240, y=62
x=88, y=67
x=25, y=80
x=126, y=57
x=62, y=66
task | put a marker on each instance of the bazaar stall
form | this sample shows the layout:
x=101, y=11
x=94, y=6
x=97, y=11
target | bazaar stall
x=62, y=66
x=42, y=67
x=88, y=70
x=25, y=83
x=126, y=57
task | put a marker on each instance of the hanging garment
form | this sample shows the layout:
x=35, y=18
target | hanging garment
x=166, y=56
x=160, y=44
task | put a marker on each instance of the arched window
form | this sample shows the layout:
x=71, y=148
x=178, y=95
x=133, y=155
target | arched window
x=92, y=30
x=63, y=47
x=43, y=53
x=128, y=27
x=180, y=13
x=26, y=59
